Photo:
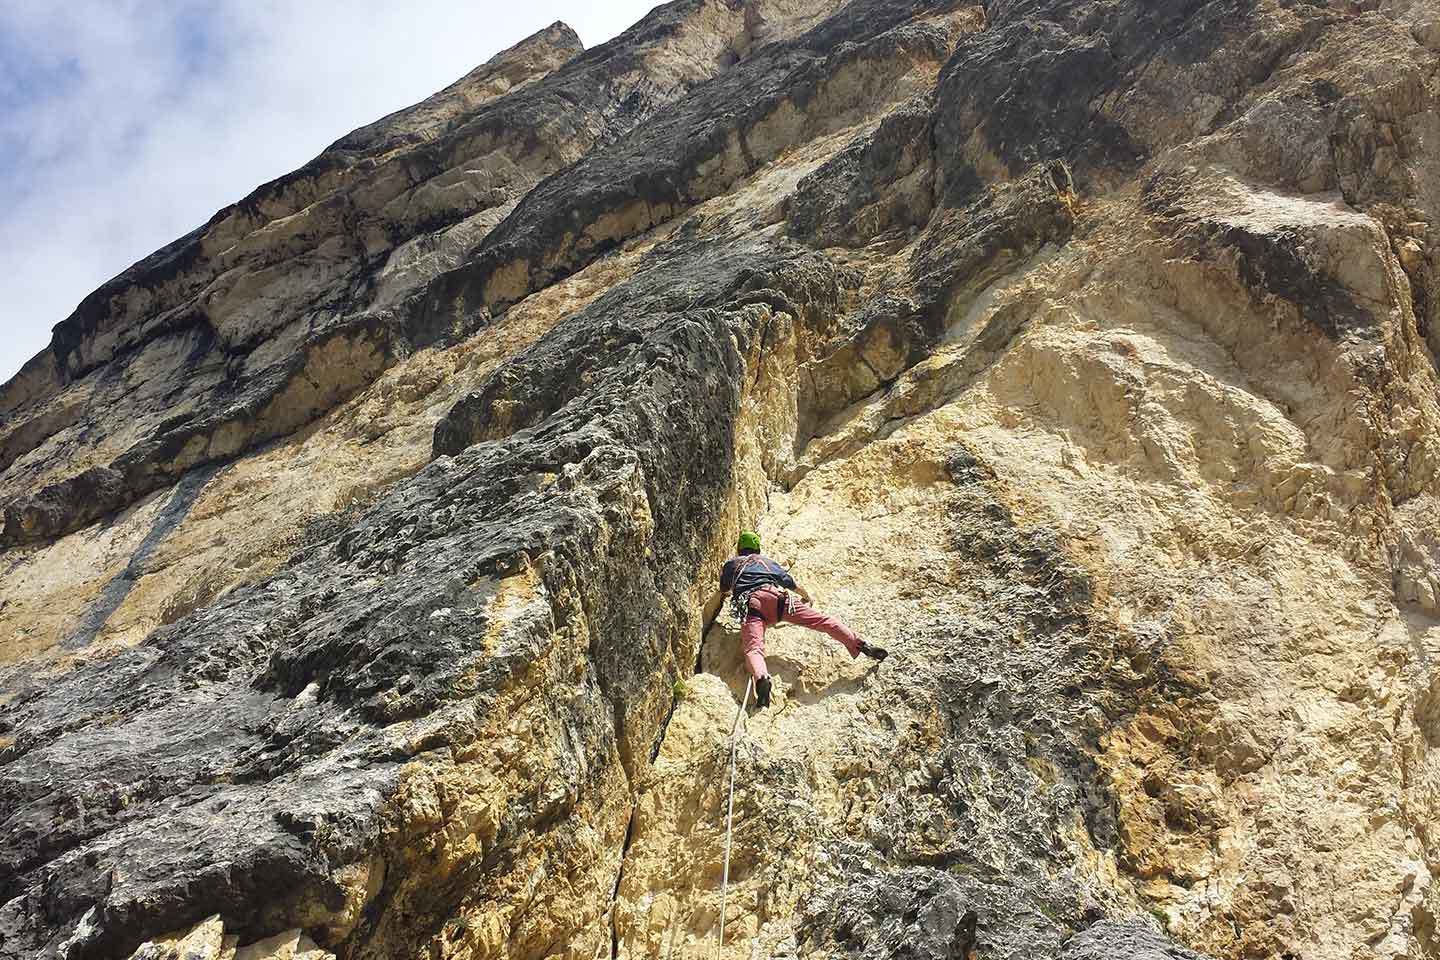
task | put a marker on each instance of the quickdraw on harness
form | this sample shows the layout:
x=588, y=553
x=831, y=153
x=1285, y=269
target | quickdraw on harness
x=740, y=602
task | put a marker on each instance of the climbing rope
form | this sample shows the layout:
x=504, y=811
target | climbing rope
x=730, y=808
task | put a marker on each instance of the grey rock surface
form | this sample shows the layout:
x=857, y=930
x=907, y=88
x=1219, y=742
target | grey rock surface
x=1130, y=940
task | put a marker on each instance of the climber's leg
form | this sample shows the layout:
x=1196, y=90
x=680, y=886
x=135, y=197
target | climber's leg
x=752, y=641
x=807, y=616
x=762, y=610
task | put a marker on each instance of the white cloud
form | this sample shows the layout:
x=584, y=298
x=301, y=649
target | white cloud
x=126, y=123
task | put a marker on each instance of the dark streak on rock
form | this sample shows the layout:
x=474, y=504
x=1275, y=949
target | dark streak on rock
x=176, y=509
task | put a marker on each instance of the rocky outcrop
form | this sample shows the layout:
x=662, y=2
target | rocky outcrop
x=1079, y=353
x=289, y=302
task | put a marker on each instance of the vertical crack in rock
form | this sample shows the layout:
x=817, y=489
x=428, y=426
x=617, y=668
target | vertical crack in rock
x=615, y=892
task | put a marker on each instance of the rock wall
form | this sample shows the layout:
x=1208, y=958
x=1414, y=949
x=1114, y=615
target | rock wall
x=1080, y=353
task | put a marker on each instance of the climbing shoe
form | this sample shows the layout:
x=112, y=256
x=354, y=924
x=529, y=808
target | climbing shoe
x=762, y=693
x=874, y=653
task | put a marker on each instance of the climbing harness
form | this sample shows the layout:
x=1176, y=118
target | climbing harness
x=730, y=809
x=740, y=602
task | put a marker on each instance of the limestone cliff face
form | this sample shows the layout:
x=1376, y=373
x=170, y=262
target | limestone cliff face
x=1082, y=353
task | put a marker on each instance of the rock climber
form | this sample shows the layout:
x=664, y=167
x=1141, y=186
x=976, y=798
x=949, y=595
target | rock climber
x=762, y=593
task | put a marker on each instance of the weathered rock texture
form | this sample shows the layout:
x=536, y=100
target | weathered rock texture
x=1081, y=352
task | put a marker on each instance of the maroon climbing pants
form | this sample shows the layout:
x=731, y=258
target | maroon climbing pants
x=766, y=603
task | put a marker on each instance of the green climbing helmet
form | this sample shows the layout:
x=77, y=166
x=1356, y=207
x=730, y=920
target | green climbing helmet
x=749, y=540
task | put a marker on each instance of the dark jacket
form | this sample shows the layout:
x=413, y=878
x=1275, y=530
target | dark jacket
x=751, y=571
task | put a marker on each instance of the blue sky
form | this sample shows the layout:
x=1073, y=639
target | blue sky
x=126, y=123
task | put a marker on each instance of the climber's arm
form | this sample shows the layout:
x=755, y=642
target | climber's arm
x=789, y=583
x=727, y=583
x=712, y=607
